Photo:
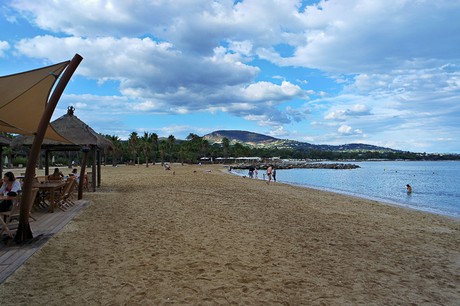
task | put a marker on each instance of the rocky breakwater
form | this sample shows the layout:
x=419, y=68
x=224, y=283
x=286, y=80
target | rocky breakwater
x=297, y=165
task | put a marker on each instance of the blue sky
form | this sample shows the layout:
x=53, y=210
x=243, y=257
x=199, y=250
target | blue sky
x=381, y=72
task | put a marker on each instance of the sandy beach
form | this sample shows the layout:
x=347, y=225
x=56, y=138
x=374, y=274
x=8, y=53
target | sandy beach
x=199, y=236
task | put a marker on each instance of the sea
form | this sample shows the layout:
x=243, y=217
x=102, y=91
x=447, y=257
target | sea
x=435, y=184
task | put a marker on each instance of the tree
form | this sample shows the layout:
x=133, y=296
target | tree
x=162, y=147
x=133, y=145
x=171, y=142
x=117, y=148
x=145, y=144
x=226, y=146
x=154, y=143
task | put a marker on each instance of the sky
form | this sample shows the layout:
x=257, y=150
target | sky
x=380, y=72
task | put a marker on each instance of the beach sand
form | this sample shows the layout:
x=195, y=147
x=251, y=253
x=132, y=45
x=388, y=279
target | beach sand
x=204, y=237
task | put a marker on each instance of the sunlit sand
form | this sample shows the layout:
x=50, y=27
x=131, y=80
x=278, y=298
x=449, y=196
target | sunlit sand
x=199, y=236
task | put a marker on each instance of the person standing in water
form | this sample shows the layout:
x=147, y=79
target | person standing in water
x=409, y=188
x=269, y=173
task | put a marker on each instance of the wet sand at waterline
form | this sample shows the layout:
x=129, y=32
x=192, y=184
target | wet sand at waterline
x=204, y=237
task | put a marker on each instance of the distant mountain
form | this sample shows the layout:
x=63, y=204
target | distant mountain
x=263, y=141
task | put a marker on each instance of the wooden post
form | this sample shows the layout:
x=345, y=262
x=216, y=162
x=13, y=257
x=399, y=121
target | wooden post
x=24, y=232
x=99, y=168
x=94, y=167
x=1, y=161
x=47, y=162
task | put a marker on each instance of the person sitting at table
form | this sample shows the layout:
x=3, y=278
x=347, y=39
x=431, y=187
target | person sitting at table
x=57, y=175
x=75, y=174
x=10, y=187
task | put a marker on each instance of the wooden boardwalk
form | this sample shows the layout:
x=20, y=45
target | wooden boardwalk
x=12, y=256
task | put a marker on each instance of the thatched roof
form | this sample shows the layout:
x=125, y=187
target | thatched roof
x=73, y=129
x=4, y=141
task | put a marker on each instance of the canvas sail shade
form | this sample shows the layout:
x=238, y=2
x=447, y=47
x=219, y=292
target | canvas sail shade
x=23, y=99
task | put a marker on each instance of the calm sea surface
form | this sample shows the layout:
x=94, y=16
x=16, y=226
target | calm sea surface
x=436, y=185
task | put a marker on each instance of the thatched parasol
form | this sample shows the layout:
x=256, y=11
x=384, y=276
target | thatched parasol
x=79, y=133
x=74, y=130
x=4, y=141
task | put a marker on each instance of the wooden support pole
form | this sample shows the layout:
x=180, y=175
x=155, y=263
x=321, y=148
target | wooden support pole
x=24, y=233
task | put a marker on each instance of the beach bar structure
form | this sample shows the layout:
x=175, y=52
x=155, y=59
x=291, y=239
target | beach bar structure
x=82, y=138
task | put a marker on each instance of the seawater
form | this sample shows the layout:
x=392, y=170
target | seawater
x=436, y=184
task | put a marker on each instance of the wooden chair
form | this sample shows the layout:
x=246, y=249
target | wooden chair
x=54, y=178
x=11, y=217
x=90, y=180
x=41, y=178
x=8, y=216
x=65, y=199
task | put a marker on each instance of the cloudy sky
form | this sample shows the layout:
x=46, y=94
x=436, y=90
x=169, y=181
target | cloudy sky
x=381, y=72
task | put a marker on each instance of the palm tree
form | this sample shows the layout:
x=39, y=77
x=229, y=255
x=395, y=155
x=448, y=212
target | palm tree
x=154, y=146
x=162, y=147
x=117, y=149
x=133, y=145
x=204, y=147
x=171, y=142
x=145, y=144
x=225, y=145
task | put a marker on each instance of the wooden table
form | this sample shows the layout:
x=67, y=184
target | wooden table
x=51, y=187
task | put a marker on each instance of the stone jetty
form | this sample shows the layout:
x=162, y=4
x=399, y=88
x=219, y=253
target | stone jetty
x=296, y=165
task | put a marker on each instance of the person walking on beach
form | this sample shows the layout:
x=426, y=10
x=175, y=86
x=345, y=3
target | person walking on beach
x=274, y=174
x=251, y=172
x=269, y=174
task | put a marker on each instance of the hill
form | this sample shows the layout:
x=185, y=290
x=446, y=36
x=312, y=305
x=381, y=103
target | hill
x=263, y=141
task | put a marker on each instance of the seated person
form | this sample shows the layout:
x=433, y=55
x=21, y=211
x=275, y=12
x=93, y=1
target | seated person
x=57, y=175
x=75, y=174
x=10, y=187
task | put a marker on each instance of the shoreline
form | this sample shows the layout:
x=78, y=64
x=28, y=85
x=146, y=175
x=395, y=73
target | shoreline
x=384, y=201
x=196, y=235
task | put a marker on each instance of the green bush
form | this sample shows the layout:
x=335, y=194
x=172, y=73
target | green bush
x=20, y=160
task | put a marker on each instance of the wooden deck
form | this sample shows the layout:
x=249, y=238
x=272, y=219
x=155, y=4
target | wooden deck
x=12, y=256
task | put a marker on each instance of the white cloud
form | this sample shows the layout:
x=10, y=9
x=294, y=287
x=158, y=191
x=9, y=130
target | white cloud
x=4, y=45
x=345, y=129
x=389, y=64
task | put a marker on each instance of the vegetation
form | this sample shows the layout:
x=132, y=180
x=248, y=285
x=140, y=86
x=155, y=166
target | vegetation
x=149, y=149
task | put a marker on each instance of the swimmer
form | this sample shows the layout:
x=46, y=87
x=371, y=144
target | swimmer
x=409, y=188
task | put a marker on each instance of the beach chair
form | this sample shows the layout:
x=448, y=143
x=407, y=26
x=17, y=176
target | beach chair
x=54, y=178
x=41, y=178
x=65, y=198
x=10, y=218
x=90, y=180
